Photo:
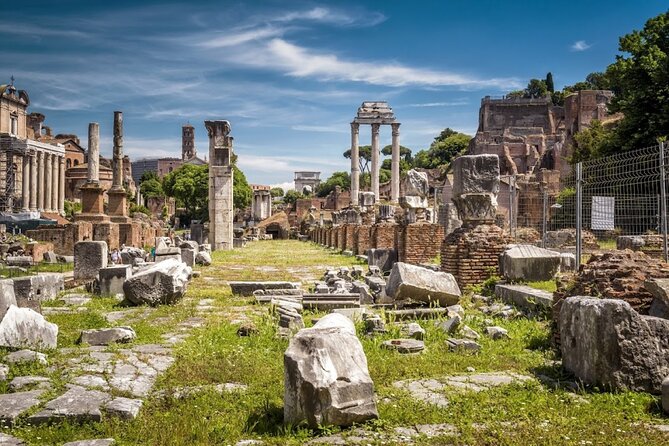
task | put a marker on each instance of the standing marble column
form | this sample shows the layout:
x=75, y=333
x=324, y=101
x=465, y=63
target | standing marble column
x=48, y=182
x=117, y=181
x=117, y=199
x=93, y=172
x=355, y=164
x=40, y=180
x=61, y=186
x=54, y=184
x=26, y=184
x=395, y=165
x=33, y=182
x=92, y=194
x=375, y=161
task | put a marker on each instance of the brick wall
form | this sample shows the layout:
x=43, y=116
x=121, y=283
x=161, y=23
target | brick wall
x=384, y=236
x=351, y=229
x=419, y=242
x=362, y=239
x=471, y=253
x=63, y=237
x=341, y=238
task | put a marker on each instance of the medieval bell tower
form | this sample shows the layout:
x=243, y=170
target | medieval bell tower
x=187, y=142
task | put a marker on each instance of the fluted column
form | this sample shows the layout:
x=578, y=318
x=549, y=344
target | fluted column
x=117, y=164
x=48, y=182
x=61, y=186
x=355, y=164
x=395, y=165
x=40, y=180
x=93, y=173
x=25, y=205
x=375, y=161
x=54, y=184
x=33, y=182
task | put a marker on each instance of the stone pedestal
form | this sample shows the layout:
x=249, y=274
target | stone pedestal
x=92, y=204
x=220, y=185
x=117, y=207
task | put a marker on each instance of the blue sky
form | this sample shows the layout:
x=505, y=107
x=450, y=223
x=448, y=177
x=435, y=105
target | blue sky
x=289, y=75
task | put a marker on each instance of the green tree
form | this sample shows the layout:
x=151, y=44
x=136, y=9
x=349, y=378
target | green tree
x=640, y=81
x=189, y=186
x=364, y=157
x=536, y=88
x=445, y=147
x=150, y=185
x=242, y=194
x=276, y=192
x=593, y=142
x=291, y=196
x=341, y=179
x=550, y=86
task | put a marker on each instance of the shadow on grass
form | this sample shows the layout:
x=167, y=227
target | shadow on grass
x=268, y=420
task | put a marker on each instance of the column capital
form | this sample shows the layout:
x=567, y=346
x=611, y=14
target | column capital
x=396, y=128
x=375, y=127
x=355, y=127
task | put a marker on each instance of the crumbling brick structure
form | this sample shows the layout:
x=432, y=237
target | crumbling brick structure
x=419, y=242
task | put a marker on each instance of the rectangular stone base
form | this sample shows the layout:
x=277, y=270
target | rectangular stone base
x=106, y=232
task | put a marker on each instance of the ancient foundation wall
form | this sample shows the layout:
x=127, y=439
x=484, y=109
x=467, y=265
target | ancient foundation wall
x=351, y=229
x=63, y=237
x=419, y=242
x=384, y=236
x=107, y=232
x=471, y=253
x=362, y=239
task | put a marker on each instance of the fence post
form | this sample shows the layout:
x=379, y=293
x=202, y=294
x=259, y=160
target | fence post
x=544, y=217
x=663, y=202
x=579, y=216
x=512, y=193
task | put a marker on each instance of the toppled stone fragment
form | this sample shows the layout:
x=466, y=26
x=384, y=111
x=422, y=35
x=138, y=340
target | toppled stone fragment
x=26, y=328
x=496, y=332
x=21, y=382
x=469, y=333
x=605, y=342
x=8, y=440
x=421, y=284
x=413, y=330
x=326, y=377
x=106, y=336
x=97, y=442
x=529, y=262
x=89, y=257
x=404, y=345
x=163, y=283
x=462, y=345
x=451, y=325
x=203, y=258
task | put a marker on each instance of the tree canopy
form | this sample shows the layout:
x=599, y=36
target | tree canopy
x=276, y=192
x=150, y=185
x=445, y=147
x=364, y=157
x=189, y=185
x=291, y=196
x=341, y=179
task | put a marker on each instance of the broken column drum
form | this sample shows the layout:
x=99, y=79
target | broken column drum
x=220, y=185
x=92, y=204
x=375, y=114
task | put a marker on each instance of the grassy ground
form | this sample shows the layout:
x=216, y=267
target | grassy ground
x=528, y=414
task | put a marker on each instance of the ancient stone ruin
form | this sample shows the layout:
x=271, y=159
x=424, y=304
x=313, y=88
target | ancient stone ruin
x=220, y=185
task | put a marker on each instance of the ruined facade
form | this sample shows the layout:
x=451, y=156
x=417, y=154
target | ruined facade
x=220, y=185
x=32, y=173
x=261, y=205
x=309, y=179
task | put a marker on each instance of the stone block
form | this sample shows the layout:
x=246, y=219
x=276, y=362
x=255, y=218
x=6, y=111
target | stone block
x=162, y=283
x=606, y=343
x=7, y=296
x=39, y=288
x=188, y=256
x=106, y=336
x=421, y=284
x=416, y=184
x=167, y=253
x=25, y=328
x=529, y=262
x=112, y=278
x=474, y=174
x=247, y=288
x=326, y=377
x=526, y=298
x=89, y=257
x=384, y=259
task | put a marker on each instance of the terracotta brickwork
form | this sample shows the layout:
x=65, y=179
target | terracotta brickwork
x=341, y=238
x=63, y=237
x=351, y=229
x=420, y=242
x=362, y=240
x=471, y=253
x=384, y=236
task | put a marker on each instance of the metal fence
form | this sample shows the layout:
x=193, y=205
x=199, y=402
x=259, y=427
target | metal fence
x=623, y=194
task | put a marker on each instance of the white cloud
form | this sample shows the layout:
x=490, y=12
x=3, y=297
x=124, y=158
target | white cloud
x=296, y=61
x=440, y=104
x=241, y=37
x=326, y=15
x=286, y=185
x=321, y=128
x=580, y=45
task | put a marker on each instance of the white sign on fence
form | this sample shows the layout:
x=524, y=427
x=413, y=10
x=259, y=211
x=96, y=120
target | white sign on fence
x=603, y=213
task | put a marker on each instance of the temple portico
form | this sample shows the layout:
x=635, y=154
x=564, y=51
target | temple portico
x=375, y=114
